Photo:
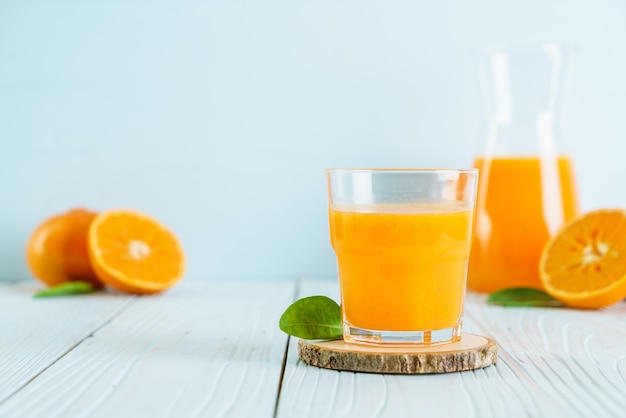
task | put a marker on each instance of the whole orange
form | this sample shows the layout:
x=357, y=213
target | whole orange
x=57, y=249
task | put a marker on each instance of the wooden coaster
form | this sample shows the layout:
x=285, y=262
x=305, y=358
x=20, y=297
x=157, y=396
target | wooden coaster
x=472, y=352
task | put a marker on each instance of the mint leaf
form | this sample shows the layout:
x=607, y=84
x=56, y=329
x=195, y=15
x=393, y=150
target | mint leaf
x=64, y=289
x=523, y=296
x=313, y=318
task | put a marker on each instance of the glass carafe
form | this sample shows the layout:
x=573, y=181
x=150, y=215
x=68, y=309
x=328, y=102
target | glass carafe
x=526, y=188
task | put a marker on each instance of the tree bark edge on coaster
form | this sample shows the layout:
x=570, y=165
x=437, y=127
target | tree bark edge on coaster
x=472, y=352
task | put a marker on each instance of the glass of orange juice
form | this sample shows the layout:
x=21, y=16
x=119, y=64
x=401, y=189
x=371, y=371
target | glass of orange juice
x=402, y=240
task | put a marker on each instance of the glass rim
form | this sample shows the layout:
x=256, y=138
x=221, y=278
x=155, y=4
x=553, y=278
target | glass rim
x=402, y=170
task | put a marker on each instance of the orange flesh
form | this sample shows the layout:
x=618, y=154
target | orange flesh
x=131, y=248
x=590, y=255
x=521, y=204
x=402, y=267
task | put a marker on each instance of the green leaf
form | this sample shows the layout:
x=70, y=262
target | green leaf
x=313, y=318
x=68, y=288
x=523, y=296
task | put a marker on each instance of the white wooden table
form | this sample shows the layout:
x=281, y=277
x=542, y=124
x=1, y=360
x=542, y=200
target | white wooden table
x=213, y=349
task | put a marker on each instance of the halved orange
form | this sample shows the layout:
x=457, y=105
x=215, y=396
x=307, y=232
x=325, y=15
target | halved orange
x=134, y=253
x=584, y=264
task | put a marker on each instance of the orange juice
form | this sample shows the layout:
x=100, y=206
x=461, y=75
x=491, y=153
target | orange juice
x=521, y=202
x=402, y=266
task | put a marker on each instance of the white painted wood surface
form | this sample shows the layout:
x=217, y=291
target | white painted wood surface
x=200, y=350
x=34, y=334
x=552, y=363
x=211, y=349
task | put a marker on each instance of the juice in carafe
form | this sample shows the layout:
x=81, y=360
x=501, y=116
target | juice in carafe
x=521, y=202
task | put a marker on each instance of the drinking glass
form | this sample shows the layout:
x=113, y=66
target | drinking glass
x=402, y=240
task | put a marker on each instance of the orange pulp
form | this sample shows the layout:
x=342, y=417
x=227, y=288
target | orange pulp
x=521, y=203
x=402, y=267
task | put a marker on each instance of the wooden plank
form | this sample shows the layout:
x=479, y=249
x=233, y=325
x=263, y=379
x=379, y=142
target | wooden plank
x=553, y=362
x=576, y=357
x=203, y=349
x=35, y=333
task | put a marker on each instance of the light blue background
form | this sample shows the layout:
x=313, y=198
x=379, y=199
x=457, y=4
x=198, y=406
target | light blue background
x=219, y=117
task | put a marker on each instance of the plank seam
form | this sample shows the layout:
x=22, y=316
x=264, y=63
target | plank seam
x=90, y=334
x=283, y=367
